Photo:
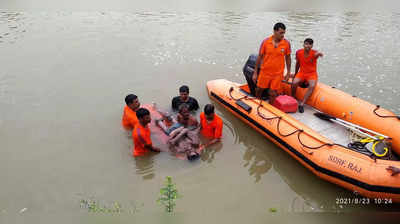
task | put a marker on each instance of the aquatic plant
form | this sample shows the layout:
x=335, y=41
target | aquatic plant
x=168, y=195
x=94, y=206
x=115, y=207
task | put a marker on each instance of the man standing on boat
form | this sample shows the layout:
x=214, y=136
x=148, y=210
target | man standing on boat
x=273, y=54
x=306, y=62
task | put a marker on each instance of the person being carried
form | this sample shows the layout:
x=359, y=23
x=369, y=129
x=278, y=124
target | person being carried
x=129, y=118
x=141, y=134
x=306, y=70
x=183, y=132
x=211, y=125
x=273, y=54
x=184, y=98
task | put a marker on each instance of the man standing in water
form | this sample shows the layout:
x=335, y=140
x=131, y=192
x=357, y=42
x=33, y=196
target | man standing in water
x=129, y=119
x=273, y=53
x=306, y=62
x=141, y=134
x=211, y=125
x=184, y=98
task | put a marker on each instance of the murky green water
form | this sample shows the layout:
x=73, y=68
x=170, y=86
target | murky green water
x=63, y=79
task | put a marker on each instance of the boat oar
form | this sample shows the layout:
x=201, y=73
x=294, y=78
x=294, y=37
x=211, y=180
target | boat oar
x=326, y=117
x=349, y=125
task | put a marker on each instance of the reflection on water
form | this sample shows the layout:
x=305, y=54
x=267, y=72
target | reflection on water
x=258, y=165
x=145, y=166
x=12, y=27
x=255, y=159
x=7, y=85
x=208, y=155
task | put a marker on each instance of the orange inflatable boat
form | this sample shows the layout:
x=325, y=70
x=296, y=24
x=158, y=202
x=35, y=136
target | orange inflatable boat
x=321, y=146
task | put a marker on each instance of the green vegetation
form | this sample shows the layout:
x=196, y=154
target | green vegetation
x=115, y=207
x=94, y=206
x=272, y=209
x=168, y=195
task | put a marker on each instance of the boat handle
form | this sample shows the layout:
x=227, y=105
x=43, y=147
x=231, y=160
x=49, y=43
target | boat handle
x=394, y=170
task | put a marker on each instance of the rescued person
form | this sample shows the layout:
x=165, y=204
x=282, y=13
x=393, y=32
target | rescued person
x=183, y=132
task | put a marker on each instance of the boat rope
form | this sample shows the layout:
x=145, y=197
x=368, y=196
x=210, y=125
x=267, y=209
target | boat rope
x=315, y=147
x=384, y=116
x=298, y=131
x=286, y=135
x=360, y=145
x=240, y=98
x=355, y=136
x=360, y=148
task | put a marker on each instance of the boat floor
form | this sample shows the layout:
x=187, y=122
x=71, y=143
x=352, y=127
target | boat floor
x=335, y=132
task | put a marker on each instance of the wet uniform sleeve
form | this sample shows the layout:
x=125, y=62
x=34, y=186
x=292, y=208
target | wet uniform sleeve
x=144, y=137
x=314, y=53
x=148, y=138
x=132, y=121
x=218, y=130
x=201, y=121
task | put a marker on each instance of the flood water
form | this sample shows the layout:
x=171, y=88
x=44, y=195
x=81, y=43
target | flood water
x=63, y=79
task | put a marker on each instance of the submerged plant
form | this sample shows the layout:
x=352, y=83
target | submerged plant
x=168, y=195
x=94, y=206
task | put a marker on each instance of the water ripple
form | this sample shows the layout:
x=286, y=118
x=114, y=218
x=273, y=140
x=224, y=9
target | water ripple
x=12, y=26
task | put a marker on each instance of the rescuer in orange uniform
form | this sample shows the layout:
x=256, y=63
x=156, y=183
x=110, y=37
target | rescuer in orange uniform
x=129, y=119
x=274, y=53
x=141, y=134
x=306, y=70
x=211, y=124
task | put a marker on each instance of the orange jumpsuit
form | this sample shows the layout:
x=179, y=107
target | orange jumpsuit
x=141, y=137
x=308, y=65
x=211, y=129
x=129, y=119
x=273, y=64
